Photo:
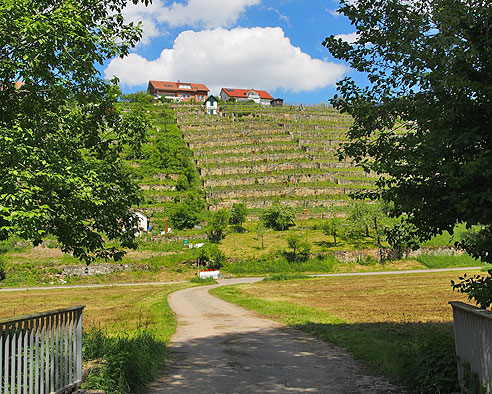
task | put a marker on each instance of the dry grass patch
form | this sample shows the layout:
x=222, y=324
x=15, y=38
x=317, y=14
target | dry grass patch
x=116, y=309
x=404, y=298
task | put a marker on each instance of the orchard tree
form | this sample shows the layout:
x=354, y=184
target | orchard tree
x=278, y=217
x=301, y=248
x=239, y=212
x=217, y=224
x=424, y=121
x=60, y=133
x=333, y=226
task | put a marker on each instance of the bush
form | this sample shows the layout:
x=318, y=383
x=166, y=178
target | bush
x=123, y=364
x=212, y=256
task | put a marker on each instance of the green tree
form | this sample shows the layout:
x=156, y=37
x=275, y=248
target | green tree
x=301, y=248
x=239, y=212
x=423, y=122
x=187, y=213
x=135, y=126
x=60, y=133
x=217, y=224
x=334, y=227
x=260, y=232
x=359, y=218
x=402, y=236
x=141, y=97
x=278, y=217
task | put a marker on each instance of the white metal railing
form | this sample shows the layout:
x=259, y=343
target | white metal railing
x=41, y=353
x=473, y=338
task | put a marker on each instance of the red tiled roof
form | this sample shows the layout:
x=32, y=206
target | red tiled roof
x=18, y=84
x=241, y=93
x=175, y=86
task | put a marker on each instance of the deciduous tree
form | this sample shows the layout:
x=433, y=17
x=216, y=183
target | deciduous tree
x=423, y=122
x=60, y=133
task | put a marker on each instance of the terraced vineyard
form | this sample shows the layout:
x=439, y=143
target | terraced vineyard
x=257, y=155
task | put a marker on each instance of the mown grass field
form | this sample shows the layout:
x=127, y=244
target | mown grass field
x=400, y=325
x=114, y=309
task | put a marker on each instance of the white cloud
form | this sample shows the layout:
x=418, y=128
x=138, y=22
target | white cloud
x=209, y=13
x=261, y=58
x=199, y=13
x=350, y=38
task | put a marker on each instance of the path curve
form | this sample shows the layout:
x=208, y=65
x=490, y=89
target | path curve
x=222, y=348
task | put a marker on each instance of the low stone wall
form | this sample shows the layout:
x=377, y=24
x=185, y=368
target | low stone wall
x=175, y=238
x=358, y=255
x=101, y=269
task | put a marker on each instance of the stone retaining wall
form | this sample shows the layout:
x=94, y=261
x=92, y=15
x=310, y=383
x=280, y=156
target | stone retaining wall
x=358, y=255
x=101, y=269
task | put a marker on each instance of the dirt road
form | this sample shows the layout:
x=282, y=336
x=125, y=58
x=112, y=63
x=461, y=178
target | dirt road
x=221, y=348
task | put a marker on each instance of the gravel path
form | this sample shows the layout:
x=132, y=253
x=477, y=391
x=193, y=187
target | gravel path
x=221, y=348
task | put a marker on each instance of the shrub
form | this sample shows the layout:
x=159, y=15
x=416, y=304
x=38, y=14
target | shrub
x=212, y=256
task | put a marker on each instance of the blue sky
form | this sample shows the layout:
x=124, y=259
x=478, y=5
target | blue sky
x=260, y=44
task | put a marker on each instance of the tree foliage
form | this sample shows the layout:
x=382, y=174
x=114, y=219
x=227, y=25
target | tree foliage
x=424, y=121
x=212, y=256
x=239, y=211
x=217, y=224
x=187, y=213
x=278, y=217
x=60, y=133
x=333, y=226
x=301, y=248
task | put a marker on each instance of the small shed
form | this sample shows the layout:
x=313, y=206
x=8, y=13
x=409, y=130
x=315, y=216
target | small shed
x=278, y=102
x=143, y=221
x=211, y=105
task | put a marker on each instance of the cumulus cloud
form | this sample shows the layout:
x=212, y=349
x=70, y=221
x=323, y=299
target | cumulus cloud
x=198, y=13
x=350, y=38
x=261, y=58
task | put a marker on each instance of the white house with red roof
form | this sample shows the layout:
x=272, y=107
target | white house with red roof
x=178, y=91
x=258, y=96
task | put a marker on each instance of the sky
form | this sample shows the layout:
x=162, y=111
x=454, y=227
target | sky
x=272, y=45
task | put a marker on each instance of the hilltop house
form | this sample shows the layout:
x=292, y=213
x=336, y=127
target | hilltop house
x=258, y=96
x=178, y=91
x=211, y=105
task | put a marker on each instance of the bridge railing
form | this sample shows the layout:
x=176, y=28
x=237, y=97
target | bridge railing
x=41, y=353
x=473, y=338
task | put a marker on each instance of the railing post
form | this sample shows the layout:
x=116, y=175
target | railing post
x=78, y=355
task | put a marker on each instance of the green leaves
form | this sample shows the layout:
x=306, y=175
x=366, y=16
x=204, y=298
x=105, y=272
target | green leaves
x=423, y=122
x=60, y=174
